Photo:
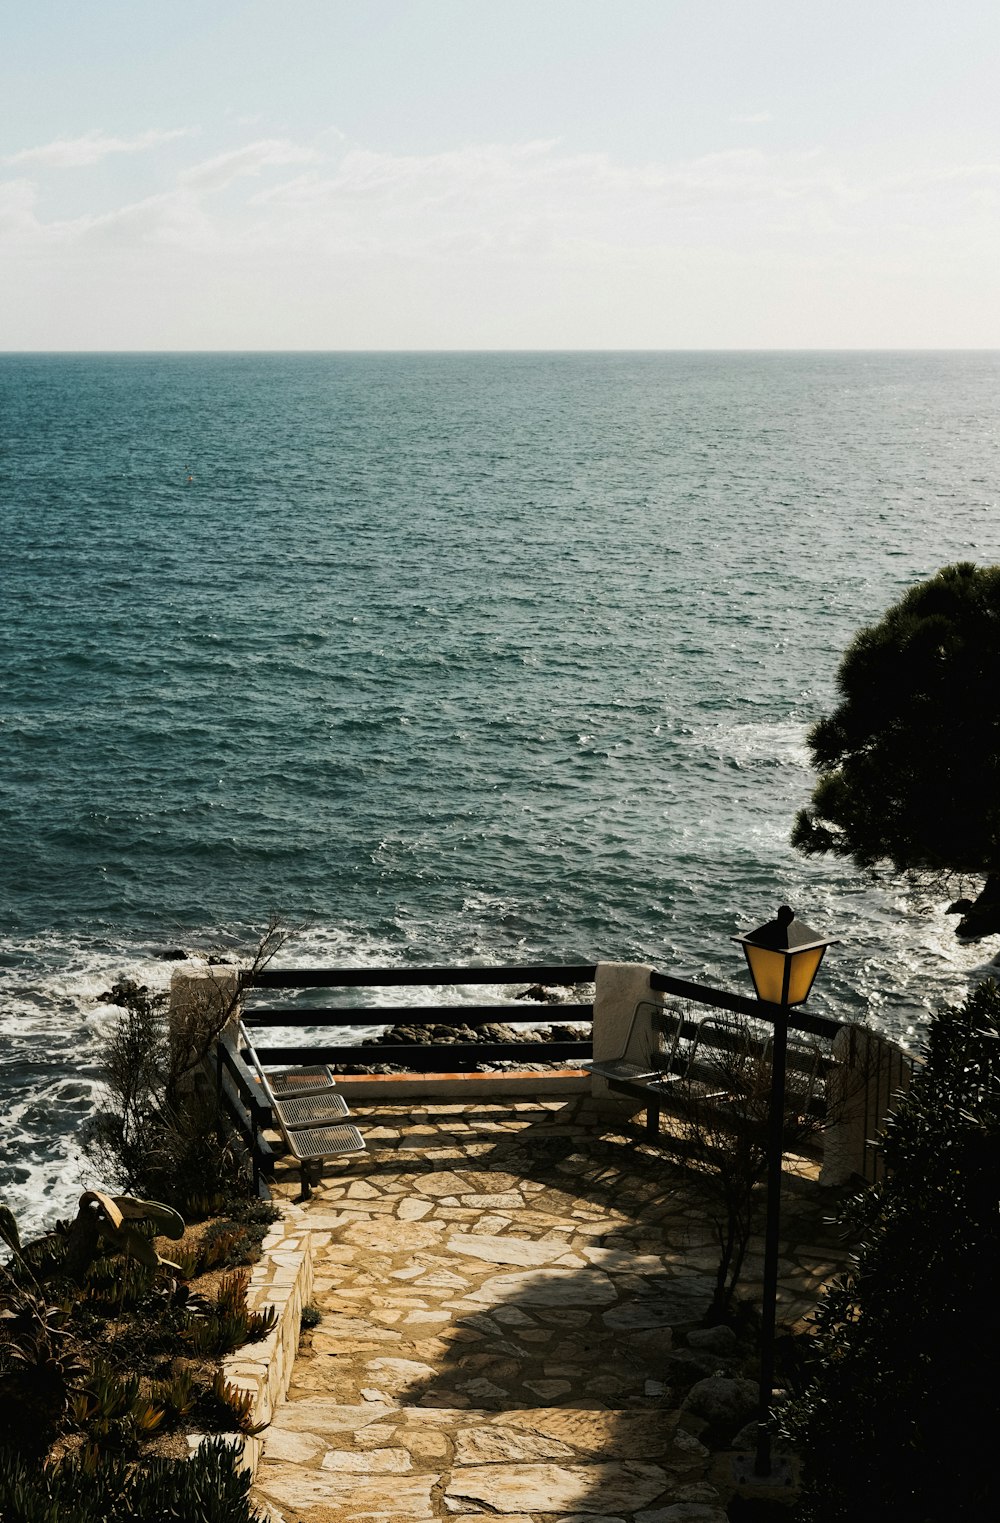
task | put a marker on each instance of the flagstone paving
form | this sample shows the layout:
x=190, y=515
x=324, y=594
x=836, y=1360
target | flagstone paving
x=503, y=1288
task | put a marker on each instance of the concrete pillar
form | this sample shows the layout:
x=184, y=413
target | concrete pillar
x=869, y=1076
x=202, y=1000
x=622, y=992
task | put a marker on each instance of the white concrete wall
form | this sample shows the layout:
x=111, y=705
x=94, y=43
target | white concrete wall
x=622, y=991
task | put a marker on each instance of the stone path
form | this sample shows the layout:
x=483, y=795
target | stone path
x=504, y=1292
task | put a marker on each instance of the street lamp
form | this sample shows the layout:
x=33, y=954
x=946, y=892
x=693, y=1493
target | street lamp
x=783, y=957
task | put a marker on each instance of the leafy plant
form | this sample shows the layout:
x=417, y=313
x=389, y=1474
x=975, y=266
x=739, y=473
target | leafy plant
x=114, y=1409
x=210, y=1487
x=894, y=1421
x=161, y=1128
x=909, y=761
x=218, y=1327
x=177, y=1395
x=38, y=1369
x=238, y=1403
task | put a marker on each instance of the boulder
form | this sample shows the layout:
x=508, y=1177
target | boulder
x=713, y=1340
x=982, y=918
x=722, y=1400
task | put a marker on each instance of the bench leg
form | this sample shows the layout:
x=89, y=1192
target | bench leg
x=652, y=1120
x=310, y=1174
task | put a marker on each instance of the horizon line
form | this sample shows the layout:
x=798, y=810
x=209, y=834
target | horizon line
x=529, y=349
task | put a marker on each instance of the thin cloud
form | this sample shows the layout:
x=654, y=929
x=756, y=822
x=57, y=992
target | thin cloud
x=753, y=119
x=92, y=147
x=218, y=172
x=514, y=201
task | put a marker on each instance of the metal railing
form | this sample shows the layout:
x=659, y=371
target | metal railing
x=877, y=1070
x=423, y=1056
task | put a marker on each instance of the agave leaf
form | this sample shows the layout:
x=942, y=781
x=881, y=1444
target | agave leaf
x=106, y=1207
x=128, y=1241
x=169, y=1223
x=8, y=1229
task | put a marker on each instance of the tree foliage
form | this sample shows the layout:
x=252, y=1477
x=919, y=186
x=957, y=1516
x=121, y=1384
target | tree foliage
x=899, y=1417
x=909, y=761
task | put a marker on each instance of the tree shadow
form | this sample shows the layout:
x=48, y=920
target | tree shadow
x=550, y=1383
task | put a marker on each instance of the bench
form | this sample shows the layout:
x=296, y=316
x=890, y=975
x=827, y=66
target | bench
x=309, y=1112
x=688, y=1064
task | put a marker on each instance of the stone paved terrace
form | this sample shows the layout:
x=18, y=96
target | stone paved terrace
x=506, y=1290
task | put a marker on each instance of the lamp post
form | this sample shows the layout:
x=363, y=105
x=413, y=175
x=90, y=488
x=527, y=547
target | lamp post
x=783, y=957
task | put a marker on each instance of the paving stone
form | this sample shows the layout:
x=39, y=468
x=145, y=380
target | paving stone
x=503, y=1250
x=546, y=1287
x=375, y=1436
x=683, y=1512
x=477, y=1517
x=549, y=1389
x=328, y=1337
x=442, y=1183
x=324, y=1415
x=507, y=1200
x=347, y=1498
x=390, y=1236
x=483, y=1390
x=425, y=1445
x=600, y=1434
x=498, y=1444
x=370, y=1462
x=400, y=1371
x=616, y=1258
x=492, y=1222
x=410, y=1209
x=294, y=1448
x=512, y=1316
x=557, y=1488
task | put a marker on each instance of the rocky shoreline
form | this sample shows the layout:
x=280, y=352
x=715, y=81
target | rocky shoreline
x=444, y=1034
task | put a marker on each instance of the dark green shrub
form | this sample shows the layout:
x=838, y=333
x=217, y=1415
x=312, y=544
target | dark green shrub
x=897, y=1419
x=208, y=1488
x=39, y=1369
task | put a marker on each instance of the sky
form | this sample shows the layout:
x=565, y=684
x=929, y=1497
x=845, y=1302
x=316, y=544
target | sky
x=499, y=174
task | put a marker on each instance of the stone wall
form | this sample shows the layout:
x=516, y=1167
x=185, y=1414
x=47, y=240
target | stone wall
x=282, y=1278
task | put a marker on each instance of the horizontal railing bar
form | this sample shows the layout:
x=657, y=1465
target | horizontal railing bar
x=741, y=1004
x=430, y=1055
x=422, y=1015
x=379, y=978
x=801, y=1059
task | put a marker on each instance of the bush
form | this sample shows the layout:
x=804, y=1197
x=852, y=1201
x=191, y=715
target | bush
x=208, y=1488
x=898, y=1419
x=161, y=1130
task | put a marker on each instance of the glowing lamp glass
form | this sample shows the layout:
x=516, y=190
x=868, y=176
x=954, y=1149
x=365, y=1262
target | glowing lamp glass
x=783, y=957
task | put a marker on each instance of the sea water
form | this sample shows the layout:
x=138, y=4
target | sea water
x=448, y=658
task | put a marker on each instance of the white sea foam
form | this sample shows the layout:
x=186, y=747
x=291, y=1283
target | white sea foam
x=53, y=1024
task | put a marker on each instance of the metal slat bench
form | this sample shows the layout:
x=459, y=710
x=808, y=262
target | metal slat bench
x=308, y=1111
x=651, y=1081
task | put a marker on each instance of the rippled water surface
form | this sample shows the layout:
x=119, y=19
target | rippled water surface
x=454, y=658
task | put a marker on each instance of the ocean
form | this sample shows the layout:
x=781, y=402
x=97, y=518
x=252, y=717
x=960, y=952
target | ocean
x=449, y=658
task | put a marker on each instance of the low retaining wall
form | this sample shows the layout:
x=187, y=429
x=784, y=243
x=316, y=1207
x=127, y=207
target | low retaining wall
x=282, y=1278
x=366, y=1088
